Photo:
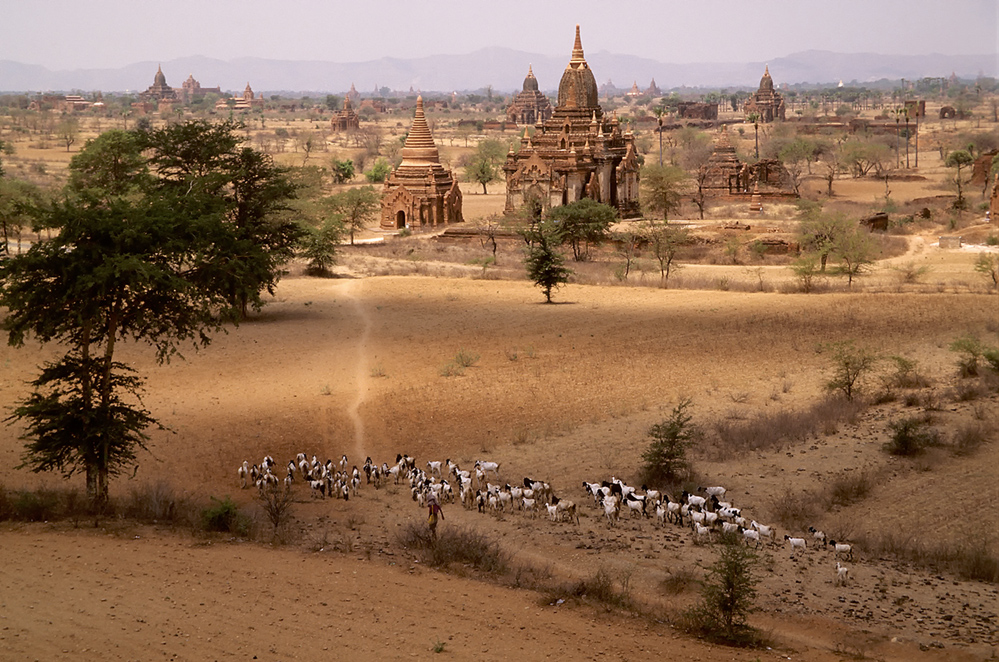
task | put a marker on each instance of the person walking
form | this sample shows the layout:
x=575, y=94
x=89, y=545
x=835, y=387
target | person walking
x=435, y=514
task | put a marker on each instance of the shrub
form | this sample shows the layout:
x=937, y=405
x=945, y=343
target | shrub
x=276, y=502
x=770, y=429
x=794, y=510
x=850, y=487
x=155, y=503
x=224, y=517
x=850, y=365
x=728, y=595
x=968, y=438
x=465, y=359
x=972, y=351
x=910, y=436
x=454, y=546
x=665, y=460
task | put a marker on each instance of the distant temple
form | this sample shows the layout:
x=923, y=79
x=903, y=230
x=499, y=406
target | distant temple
x=653, y=90
x=724, y=174
x=766, y=101
x=345, y=119
x=159, y=90
x=191, y=90
x=530, y=106
x=248, y=101
x=420, y=193
x=577, y=153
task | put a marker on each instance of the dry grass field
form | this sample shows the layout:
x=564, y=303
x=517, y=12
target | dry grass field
x=357, y=365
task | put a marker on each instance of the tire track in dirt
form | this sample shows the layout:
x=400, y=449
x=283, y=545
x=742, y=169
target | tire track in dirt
x=362, y=372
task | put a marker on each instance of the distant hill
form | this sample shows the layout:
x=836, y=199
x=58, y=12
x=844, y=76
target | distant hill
x=502, y=68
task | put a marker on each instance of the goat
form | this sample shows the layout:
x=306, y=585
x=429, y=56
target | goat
x=565, y=509
x=796, y=543
x=244, y=474
x=435, y=468
x=817, y=535
x=842, y=548
x=766, y=531
x=611, y=509
x=716, y=491
x=701, y=532
x=842, y=574
x=751, y=534
x=488, y=467
x=529, y=506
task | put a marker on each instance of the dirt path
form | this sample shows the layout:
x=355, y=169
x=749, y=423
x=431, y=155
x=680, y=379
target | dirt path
x=362, y=368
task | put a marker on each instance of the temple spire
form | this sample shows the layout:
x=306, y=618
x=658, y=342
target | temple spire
x=577, y=48
x=419, y=146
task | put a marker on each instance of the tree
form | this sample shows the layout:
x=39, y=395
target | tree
x=164, y=260
x=488, y=228
x=356, y=206
x=832, y=161
x=754, y=117
x=987, y=264
x=794, y=155
x=628, y=243
x=665, y=241
x=662, y=187
x=855, y=252
x=333, y=102
x=582, y=223
x=110, y=165
x=806, y=269
x=379, y=171
x=481, y=170
x=343, y=171
x=68, y=131
x=17, y=199
x=318, y=245
x=545, y=265
x=819, y=232
x=728, y=594
x=665, y=462
x=116, y=270
x=959, y=159
x=850, y=364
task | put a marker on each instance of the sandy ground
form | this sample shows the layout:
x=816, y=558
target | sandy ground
x=562, y=393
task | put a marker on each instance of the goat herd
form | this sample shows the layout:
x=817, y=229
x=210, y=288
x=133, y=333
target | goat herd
x=706, y=515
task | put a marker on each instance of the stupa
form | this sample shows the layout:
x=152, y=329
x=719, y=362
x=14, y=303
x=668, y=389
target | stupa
x=420, y=193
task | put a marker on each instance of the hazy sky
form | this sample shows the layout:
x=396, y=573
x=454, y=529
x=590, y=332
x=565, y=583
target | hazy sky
x=70, y=34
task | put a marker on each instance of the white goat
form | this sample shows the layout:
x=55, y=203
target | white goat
x=842, y=548
x=842, y=574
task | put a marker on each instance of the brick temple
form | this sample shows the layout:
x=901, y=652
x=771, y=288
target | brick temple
x=577, y=153
x=159, y=90
x=420, y=193
x=530, y=105
x=766, y=101
x=345, y=119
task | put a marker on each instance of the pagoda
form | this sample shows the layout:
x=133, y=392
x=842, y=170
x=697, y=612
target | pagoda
x=530, y=106
x=420, y=193
x=159, y=90
x=766, y=101
x=577, y=153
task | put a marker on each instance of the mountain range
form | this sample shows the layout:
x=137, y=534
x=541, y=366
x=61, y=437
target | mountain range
x=502, y=68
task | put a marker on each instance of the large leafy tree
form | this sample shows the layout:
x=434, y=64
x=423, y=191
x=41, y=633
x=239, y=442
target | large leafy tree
x=240, y=193
x=581, y=224
x=162, y=249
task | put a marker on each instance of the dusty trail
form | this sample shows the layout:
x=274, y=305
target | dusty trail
x=362, y=371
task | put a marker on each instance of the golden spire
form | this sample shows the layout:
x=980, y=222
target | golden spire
x=577, y=48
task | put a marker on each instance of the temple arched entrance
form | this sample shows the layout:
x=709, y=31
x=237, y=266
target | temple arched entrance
x=400, y=219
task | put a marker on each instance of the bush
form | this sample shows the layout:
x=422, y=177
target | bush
x=850, y=365
x=727, y=598
x=910, y=437
x=454, y=546
x=665, y=460
x=968, y=438
x=224, y=517
x=276, y=502
x=155, y=503
x=465, y=359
